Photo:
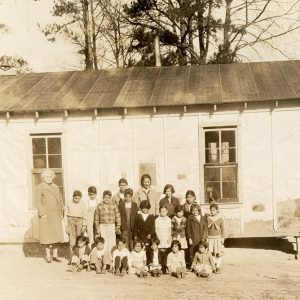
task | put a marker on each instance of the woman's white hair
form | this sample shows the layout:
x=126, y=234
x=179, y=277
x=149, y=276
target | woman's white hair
x=47, y=172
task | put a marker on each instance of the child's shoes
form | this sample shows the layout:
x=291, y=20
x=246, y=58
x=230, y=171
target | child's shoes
x=88, y=269
x=145, y=274
x=123, y=272
x=117, y=273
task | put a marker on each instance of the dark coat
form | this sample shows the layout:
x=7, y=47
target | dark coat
x=195, y=230
x=49, y=202
x=143, y=228
x=133, y=212
x=170, y=206
x=162, y=257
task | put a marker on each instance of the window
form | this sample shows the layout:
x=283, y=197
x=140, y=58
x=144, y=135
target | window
x=221, y=168
x=46, y=153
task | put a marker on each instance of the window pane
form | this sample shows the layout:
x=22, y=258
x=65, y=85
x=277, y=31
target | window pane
x=55, y=161
x=212, y=189
x=212, y=174
x=211, y=137
x=228, y=136
x=229, y=174
x=229, y=190
x=58, y=179
x=39, y=146
x=39, y=162
x=54, y=145
x=212, y=155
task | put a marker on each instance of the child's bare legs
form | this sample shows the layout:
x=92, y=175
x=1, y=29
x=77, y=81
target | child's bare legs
x=121, y=265
x=218, y=261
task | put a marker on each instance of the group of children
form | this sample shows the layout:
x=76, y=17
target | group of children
x=140, y=234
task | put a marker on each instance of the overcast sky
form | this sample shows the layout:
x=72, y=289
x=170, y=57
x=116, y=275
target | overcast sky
x=26, y=39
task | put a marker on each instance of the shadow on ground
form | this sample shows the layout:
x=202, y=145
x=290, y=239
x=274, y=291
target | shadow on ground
x=37, y=250
x=267, y=243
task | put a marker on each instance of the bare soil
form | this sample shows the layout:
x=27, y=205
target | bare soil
x=246, y=274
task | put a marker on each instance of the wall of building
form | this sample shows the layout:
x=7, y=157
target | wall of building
x=100, y=151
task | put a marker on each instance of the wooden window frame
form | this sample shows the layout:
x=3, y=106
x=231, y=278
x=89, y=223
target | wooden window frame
x=220, y=165
x=34, y=171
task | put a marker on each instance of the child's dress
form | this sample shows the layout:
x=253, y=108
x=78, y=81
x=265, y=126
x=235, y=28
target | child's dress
x=215, y=233
x=163, y=231
x=178, y=230
x=175, y=261
x=138, y=261
x=203, y=262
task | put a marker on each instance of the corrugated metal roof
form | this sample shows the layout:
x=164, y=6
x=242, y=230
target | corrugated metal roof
x=153, y=86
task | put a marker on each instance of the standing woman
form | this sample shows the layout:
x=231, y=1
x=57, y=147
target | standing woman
x=50, y=208
x=146, y=192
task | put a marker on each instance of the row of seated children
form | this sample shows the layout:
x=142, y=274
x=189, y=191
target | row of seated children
x=140, y=261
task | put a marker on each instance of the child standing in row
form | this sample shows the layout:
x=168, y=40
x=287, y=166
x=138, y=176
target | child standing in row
x=108, y=221
x=146, y=192
x=176, y=261
x=139, y=260
x=196, y=230
x=100, y=259
x=169, y=201
x=203, y=262
x=91, y=203
x=144, y=224
x=179, y=227
x=216, y=234
x=121, y=258
x=128, y=210
x=119, y=196
x=76, y=213
x=190, y=198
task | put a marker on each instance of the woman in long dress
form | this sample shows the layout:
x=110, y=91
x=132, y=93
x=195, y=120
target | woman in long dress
x=50, y=208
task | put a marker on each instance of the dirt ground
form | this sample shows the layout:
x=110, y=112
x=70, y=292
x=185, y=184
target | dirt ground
x=246, y=274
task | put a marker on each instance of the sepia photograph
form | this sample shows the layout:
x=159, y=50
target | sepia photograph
x=149, y=149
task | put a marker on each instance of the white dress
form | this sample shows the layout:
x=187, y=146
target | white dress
x=163, y=231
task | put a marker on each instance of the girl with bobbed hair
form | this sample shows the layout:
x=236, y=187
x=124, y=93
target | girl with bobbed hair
x=146, y=192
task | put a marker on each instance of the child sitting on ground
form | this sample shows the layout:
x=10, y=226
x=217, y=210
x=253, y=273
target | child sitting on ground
x=203, y=262
x=176, y=261
x=99, y=258
x=138, y=259
x=155, y=258
x=121, y=258
x=81, y=255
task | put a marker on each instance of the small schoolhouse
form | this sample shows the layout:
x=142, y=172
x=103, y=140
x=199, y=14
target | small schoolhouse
x=227, y=131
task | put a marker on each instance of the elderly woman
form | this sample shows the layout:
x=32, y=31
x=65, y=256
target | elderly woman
x=50, y=208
